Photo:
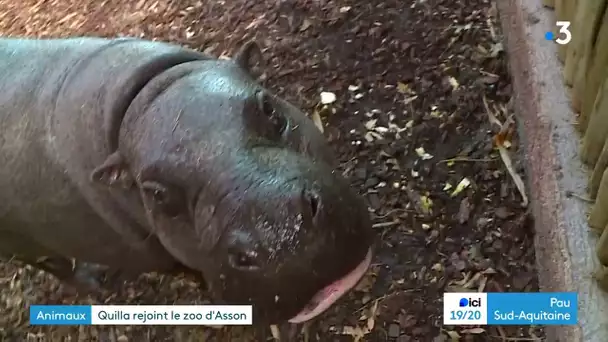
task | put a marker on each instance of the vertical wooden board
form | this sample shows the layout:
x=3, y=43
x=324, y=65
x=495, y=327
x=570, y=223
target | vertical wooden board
x=588, y=19
x=569, y=14
x=572, y=7
x=562, y=54
x=596, y=74
x=560, y=8
x=576, y=15
x=598, y=171
x=601, y=249
x=600, y=275
x=599, y=212
x=595, y=135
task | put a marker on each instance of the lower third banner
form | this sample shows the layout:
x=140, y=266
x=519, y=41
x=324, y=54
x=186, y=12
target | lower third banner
x=513, y=308
x=141, y=315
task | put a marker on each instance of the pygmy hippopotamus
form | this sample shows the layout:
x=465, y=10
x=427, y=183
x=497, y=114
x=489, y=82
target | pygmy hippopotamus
x=145, y=156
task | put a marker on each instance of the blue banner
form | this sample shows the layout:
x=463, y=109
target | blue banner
x=512, y=308
x=141, y=315
x=60, y=314
x=548, y=308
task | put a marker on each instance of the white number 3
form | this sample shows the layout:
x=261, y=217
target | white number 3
x=564, y=29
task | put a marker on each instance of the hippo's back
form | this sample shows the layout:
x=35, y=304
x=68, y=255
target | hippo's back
x=41, y=204
x=32, y=73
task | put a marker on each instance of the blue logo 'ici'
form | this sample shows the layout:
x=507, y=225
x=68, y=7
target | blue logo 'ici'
x=464, y=302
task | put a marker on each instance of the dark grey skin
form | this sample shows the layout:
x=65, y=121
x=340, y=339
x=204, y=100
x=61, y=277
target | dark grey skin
x=143, y=156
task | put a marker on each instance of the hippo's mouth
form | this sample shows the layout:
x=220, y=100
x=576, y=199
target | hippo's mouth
x=327, y=296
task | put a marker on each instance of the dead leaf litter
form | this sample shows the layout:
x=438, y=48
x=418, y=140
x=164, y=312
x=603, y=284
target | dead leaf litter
x=403, y=92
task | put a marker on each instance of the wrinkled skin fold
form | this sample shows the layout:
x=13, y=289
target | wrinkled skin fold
x=144, y=156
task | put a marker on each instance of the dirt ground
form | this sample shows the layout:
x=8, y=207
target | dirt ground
x=412, y=131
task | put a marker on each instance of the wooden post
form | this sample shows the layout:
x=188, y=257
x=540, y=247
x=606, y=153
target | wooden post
x=599, y=215
x=596, y=74
x=560, y=9
x=568, y=13
x=601, y=250
x=597, y=131
x=598, y=171
x=586, y=23
x=601, y=277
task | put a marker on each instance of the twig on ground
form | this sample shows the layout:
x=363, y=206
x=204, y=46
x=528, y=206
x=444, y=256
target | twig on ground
x=516, y=338
x=499, y=139
x=501, y=331
x=386, y=224
x=466, y=160
x=580, y=197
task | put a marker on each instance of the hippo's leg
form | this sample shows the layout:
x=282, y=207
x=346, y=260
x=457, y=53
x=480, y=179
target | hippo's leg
x=86, y=277
x=82, y=276
x=94, y=278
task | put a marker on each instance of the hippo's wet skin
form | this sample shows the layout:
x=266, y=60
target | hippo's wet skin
x=143, y=156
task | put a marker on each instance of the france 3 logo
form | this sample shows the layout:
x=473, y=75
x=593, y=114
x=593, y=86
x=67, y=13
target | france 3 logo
x=564, y=35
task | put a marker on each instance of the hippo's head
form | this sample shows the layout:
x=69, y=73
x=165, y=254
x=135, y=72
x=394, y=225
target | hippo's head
x=239, y=185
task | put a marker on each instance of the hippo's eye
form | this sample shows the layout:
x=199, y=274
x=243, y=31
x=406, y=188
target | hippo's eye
x=165, y=198
x=277, y=120
x=243, y=260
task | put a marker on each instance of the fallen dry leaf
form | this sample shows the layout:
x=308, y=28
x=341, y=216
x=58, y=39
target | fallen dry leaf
x=453, y=335
x=328, y=97
x=316, y=119
x=464, y=183
x=274, y=330
x=423, y=154
x=519, y=183
x=357, y=332
x=453, y=82
x=475, y=331
x=305, y=25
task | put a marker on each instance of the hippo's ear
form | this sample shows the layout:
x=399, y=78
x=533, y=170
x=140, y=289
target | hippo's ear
x=113, y=171
x=243, y=57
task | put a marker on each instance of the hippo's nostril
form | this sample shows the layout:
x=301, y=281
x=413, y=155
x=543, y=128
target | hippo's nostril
x=244, y=260
x=312, y=198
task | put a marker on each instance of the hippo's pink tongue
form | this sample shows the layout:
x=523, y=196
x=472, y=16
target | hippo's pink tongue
x=332, y=292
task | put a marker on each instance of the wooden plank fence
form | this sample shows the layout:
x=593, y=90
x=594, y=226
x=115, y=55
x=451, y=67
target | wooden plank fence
x=585, y=71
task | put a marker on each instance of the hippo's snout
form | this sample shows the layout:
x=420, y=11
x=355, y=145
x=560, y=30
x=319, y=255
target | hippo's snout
x=243, y=254
x=291, y=246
